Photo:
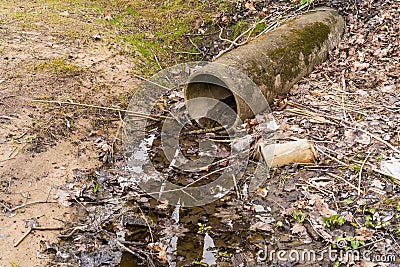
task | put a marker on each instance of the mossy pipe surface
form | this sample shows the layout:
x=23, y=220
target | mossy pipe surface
x=274, y=62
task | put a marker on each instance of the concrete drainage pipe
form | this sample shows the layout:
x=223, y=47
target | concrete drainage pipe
x=273, y=62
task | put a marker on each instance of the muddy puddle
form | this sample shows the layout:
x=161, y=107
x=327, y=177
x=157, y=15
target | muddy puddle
x=126, y=228
x=218, y=234
x=232, y=231
x=208, y=235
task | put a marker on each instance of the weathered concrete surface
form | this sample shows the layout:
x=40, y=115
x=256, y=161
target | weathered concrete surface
x=274, y=62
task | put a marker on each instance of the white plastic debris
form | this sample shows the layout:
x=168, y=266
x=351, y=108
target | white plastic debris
x=391, y=166
x=300, y=151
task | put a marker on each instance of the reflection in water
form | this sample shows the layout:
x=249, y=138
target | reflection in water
x=175, y=213
x=171, y=242
x=184, y=249
x=144, y=147
x=208, y=255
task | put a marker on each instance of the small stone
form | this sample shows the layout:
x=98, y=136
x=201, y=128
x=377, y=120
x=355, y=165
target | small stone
x=96, y=37
x=259, y=208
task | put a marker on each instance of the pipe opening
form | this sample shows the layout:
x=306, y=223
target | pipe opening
x=206, y=85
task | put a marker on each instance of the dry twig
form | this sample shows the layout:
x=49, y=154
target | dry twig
x=23, y=237
x=380, y=140
x=74, y=230
x=361, y=169
x=24, y=205
x=344, y=180
x=202, y=131
x=136, y=114
x=236, y=186
x=147, y=224
x=36, y=229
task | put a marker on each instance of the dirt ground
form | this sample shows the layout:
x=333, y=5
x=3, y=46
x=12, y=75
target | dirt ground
x=72, y=51
x=39, y=60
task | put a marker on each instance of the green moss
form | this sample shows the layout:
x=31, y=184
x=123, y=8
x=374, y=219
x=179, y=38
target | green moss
x=153, y=27
x=57, y=66
x=259, y=28
x=140, y=28
x=244, y=24
x=146, y=29
x=239, y=27
x=303, y=42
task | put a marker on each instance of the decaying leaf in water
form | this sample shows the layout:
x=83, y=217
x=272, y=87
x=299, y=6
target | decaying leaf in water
x=261, y=226
x=174, y=230
x=222, y=152
x=227, y=214
x=163, y=205
x=160, y=251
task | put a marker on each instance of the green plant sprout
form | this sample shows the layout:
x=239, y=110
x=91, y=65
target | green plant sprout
x=334, y=221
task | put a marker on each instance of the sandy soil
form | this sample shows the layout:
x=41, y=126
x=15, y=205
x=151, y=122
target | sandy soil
x=41, y=144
